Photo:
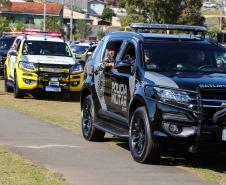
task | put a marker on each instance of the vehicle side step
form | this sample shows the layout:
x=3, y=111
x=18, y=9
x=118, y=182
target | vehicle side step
x=116, y=130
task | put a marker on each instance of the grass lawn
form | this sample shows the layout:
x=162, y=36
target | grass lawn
x=61, y=112
x=14, y=170
x=67, y=114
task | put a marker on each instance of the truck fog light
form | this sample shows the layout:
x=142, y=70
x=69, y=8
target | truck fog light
x=174, y=129
x=75, y=83
x=29, y=82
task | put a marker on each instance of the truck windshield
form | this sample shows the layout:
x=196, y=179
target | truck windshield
x=79, y=50
x=46, y=48
x=184, y=58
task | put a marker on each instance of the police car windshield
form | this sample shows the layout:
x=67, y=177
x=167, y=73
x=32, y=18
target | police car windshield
x=46, y=48
x=5, y=44
x=184, y=58
x=78, y=49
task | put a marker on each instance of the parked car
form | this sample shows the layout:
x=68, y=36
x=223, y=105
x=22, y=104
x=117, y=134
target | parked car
x=209, y=5
x=163, y=91
x=6, y=42
x=41, y=63
x=82, y=51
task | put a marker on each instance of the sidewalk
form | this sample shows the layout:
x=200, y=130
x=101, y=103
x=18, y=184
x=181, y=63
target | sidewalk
x=82, y=162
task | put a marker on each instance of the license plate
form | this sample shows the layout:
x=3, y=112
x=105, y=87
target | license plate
x=53, y=89
x=51, y=83
x=54, y=79
x=224, y=135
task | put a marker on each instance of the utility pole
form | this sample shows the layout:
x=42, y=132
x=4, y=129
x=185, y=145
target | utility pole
x=71, y=22
x=221, y=18
x=44, y=16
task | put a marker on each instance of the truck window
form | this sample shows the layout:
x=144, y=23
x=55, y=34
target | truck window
x=46, y=48
x=129, y=53
x=115, y=44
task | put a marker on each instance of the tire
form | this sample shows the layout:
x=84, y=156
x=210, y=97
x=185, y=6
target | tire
x=6, y=86
x=142, y=146
x=18, y=93
x=89, y=132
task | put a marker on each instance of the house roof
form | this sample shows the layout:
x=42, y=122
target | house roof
x=33, y=8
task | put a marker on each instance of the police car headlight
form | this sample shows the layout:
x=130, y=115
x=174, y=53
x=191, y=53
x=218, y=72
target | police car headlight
x=173, y=96
x=76, y=68
x=28, y=66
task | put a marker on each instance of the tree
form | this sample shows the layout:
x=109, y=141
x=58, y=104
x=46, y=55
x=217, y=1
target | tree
x=125, y=21
x=52, y=24
x=107, y=14
x=100, y=34
x=20, y=26
x=162, y=11
x=77, y=9
x=4, y=25
x=83, y=29
x=213, y=33
x=191, y=13
x=16, y=26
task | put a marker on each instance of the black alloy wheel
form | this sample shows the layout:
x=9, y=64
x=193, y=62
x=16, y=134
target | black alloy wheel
x=90, y=133
x=6, y=86
x=142, y=146
x=18, y=93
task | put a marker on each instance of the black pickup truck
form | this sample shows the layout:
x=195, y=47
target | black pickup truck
x=164, y=90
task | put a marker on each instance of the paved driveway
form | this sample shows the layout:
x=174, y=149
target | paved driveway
x=82, y=162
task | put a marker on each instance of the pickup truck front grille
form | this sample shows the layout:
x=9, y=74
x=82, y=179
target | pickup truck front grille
x=212, y=102
x=48, y=72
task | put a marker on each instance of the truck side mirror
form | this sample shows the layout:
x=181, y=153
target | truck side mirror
x=13, y=52
x=124, y=67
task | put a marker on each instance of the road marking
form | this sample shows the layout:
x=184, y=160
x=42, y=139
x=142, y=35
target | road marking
x=48, y=146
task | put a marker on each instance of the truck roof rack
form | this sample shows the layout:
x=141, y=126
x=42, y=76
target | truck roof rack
x=186, y=28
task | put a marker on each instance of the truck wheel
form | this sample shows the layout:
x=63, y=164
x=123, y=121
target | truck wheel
x=142, y=146
x=18, y=93
x=7, y=87
x=89, y=132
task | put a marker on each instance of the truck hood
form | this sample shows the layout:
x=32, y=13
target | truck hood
x=48, y=59
x=187, y=80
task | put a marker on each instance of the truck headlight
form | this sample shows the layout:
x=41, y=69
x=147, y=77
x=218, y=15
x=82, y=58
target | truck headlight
x=28, y=66
x=76, y=68
x=173, y=96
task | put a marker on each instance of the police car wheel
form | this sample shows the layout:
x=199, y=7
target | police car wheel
x=7, y=88
x=18, y=93
x=142, y=146
x=90, y=133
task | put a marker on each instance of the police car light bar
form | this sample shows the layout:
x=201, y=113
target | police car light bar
x=32, y=32
x=143, y=26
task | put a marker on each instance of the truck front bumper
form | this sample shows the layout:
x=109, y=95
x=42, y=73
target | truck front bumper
x=29, y=81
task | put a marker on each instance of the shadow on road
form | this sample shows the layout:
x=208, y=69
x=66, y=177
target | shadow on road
x=204, y=160
x=75, y=97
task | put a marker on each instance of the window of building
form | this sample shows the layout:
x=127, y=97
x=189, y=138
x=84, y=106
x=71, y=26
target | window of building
x=29, y=20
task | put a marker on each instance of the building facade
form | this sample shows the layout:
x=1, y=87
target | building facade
x=31, y=13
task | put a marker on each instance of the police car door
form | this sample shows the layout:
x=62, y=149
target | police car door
x=13, y=57
x=108, y=74
x=123, y=81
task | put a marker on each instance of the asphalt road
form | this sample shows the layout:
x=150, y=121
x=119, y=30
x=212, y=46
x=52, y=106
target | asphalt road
x=82, y=162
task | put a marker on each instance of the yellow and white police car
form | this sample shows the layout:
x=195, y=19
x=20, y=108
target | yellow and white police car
x=41, y=63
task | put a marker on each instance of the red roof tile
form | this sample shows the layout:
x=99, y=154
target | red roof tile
x=34, y=8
